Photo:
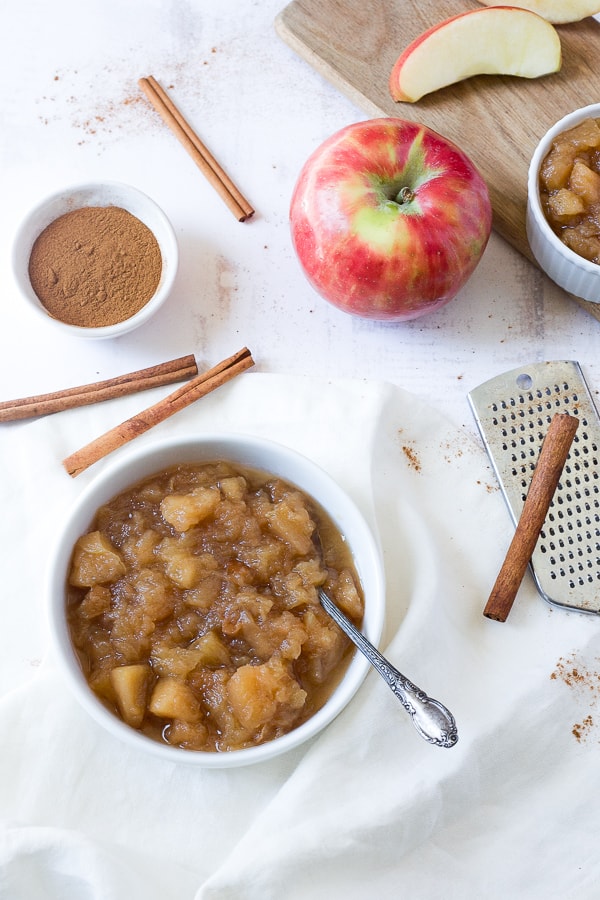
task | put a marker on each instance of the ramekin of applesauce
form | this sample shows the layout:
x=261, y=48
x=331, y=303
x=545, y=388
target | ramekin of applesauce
x=563, y=203
x=183, y=604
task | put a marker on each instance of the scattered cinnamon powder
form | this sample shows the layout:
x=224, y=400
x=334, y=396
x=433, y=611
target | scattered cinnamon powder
x=490, y=488
x=411, y=456
x=95, y=266
x=576, y=675
x=586, y=683
x=580, y=731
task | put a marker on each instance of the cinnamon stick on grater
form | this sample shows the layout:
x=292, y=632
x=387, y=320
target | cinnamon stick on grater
x=552, y=458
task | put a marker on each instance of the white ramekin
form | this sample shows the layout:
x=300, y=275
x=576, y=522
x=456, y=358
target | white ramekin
x=566, y=268
x=102, y=193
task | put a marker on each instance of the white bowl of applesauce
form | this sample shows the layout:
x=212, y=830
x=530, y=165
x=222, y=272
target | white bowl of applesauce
x=182, y=597
x=563, y=203
x=95, y=260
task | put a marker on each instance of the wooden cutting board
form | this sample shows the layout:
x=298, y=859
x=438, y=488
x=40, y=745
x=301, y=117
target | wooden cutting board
x=496, y=120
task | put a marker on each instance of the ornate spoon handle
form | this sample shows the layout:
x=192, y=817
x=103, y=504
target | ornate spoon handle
x=430, y=717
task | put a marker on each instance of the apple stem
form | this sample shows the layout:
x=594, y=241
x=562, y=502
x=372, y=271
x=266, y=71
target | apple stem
x=404, y=195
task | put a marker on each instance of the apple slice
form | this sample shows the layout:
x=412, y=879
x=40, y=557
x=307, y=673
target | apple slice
x=493, y=40
x=559, y=12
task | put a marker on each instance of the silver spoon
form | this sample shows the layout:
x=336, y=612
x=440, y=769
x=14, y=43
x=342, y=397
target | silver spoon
x=430, y=717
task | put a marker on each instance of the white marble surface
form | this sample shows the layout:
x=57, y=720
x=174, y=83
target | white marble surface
x=72, y=111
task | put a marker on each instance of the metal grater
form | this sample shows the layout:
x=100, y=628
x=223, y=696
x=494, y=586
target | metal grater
x=513, y=412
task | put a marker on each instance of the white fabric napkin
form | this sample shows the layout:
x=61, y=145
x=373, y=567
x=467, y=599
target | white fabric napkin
x=367, y=808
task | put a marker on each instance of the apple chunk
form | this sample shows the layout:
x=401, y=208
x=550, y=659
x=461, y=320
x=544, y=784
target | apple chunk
x=493, y=40
x=130, y=684
x=559, y=12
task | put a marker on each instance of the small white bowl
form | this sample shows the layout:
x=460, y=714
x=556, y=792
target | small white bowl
x=566, y=268
x=105, y=193
x=256, y=453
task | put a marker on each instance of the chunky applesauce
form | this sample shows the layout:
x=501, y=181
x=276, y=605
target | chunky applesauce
x=569, y=185
x=192, y=604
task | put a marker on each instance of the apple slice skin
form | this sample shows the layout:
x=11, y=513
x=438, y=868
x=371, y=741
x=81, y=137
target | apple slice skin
x=433, y=60
x=371, y=256
x=558, y=12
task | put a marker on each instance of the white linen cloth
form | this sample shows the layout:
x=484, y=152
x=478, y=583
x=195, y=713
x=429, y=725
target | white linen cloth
x=367, y=808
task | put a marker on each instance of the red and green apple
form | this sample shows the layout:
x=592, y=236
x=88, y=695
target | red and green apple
x=389, y=219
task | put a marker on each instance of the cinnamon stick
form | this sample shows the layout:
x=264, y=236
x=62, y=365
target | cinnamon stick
x=553, y=455
x=142, y=380
x=201, y=155
x=185, y=395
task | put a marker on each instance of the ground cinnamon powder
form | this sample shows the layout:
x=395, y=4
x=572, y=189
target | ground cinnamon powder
x=95, y=266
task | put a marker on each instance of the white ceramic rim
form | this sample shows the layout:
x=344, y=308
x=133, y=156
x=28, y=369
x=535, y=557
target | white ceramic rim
x=571, y=269
x=261, y=453
x=96, y=193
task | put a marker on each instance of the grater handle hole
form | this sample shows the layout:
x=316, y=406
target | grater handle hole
x=524, y=381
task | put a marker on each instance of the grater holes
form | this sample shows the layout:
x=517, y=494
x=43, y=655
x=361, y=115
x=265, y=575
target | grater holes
x=572, y=547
